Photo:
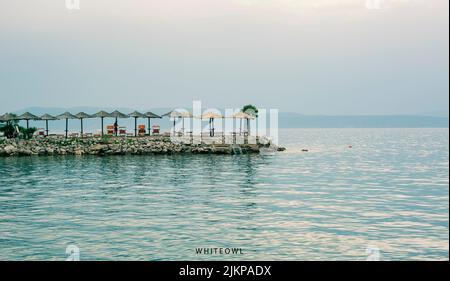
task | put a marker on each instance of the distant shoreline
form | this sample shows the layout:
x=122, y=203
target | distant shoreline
x=286, y=120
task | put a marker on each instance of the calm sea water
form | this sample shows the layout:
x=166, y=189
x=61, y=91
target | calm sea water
x=390, y=191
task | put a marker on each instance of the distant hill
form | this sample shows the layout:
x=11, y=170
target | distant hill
x=295, y=120
x=286, y=120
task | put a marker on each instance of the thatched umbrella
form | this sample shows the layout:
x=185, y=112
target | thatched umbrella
x=27, y=117
x=211, y=116
x=102, y=115
x=81, y=116
x=242, y=115
x=178, y=114
x=117, y=114
x=8, y=117
x=149, y=116
x=46, y=118
x=136, y=115
x=66, y=115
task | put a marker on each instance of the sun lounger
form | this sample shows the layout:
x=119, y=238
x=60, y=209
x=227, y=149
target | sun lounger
x=110, y=129
x=122, y=131
x=156, y=129
x=141, y=130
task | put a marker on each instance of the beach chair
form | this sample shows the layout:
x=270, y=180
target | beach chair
x=156, y=129
x=122, y=131
x=110, y=130
x=41, y=132
x=141, y=130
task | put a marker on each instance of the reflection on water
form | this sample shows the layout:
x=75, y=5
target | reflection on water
x=389, y=191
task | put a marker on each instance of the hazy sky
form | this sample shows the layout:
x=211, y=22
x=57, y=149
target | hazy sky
x=308, y=56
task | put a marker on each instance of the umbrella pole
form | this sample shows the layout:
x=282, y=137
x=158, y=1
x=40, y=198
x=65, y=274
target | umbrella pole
x=234, y=130
x=210, y=127
x=102, y=125
x=67, y=127
x=46, y=127
x=81, y=119
x=248, y=129
x=28, y=124
x=240, y=127
x=135, y=126
x=149, y=129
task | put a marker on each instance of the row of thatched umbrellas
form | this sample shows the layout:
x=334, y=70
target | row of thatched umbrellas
x=116, y=114
x=211, y=116
x=27, y=116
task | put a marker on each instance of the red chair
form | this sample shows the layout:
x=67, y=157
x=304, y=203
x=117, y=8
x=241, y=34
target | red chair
x=156, y=129
x=141, y=130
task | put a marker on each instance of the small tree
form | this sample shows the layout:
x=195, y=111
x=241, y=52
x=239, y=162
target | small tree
x=13, y=130
x=9, y=129
x=27, y=133
x=252, y=110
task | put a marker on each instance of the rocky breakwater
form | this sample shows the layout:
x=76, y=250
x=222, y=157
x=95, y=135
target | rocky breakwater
x=114, y=146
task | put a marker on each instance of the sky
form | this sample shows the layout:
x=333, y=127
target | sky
x=334, y=57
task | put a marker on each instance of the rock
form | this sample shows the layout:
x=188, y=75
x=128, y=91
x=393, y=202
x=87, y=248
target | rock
x=124, y=146
x=10, y=149
x=99, y=147
x=24, y=152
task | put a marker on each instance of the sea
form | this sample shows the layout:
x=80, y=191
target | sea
x=334, y=194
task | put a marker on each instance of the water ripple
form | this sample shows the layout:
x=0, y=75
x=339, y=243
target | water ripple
x=389, y=190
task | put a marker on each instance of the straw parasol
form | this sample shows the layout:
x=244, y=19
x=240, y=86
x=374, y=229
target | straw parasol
x=102, y=115
x=117, y=114
x=81, y=116
x=27, y=117
x=8, y=117
x=178, y=114
x=211, y=116
x=149, y=116
x=136, y=115
x=66, y=115
x=46, y=118
x=242, y=115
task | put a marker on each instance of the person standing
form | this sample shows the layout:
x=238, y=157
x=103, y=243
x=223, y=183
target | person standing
x=116, y=128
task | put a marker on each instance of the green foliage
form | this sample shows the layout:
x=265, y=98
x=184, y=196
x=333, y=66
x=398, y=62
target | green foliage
x=27, y=133
x=250, y=109
x=105, y=139
x=10, y=131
